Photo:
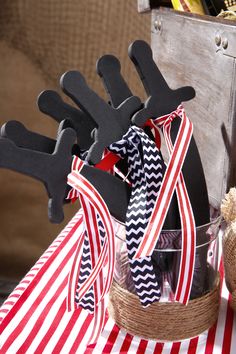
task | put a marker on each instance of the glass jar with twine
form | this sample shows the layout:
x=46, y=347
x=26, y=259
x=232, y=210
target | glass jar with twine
x=168, y=320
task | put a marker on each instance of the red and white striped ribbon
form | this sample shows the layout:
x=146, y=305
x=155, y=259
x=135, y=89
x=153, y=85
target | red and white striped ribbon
x=92, y=229
x=76, y=165
x=173, y=179
x=93, y=206
x=106, y=164
x=155, y=129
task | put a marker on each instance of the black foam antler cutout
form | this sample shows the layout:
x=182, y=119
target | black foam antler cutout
x=50, y=103
x=109, y=69
x=17, y=154
x=162, y=99
x=112, y=122
x=22, y=137
x=51, y=169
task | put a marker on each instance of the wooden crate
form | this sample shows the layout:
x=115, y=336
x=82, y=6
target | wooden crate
x=200, y=51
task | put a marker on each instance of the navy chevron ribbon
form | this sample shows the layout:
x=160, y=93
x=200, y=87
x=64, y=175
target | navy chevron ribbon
x=145, y=173
x=87, y=302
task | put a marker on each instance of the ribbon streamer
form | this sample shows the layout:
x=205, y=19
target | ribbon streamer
x=145, y=173
x=173, y=178
x=102, y=247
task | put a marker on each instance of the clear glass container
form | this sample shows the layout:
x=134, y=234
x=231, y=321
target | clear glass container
x=166, y=259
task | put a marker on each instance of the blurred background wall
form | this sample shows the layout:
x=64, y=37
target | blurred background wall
x=39, y=40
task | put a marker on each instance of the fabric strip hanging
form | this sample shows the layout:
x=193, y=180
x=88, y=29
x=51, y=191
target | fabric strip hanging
x=145, y=173
x=173, y=178
x=101, y=244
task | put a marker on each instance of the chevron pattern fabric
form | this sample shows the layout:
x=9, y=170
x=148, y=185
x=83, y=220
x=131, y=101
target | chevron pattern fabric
x=145, y=173
x=87, y=302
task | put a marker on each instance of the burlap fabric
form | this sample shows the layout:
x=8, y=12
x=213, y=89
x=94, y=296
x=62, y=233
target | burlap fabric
x=228, y=210
x=229, y=251
x=67, y=34
x=39, y=40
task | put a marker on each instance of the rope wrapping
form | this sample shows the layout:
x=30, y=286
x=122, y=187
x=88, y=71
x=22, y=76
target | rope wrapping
x=164, y=321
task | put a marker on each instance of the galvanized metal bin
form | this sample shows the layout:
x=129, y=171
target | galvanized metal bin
x=200, y=51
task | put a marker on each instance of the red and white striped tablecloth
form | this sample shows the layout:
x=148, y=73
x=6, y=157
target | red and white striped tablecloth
x=34, y=318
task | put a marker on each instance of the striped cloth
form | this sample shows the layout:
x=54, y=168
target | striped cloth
x=34, y=317
x=174, y=180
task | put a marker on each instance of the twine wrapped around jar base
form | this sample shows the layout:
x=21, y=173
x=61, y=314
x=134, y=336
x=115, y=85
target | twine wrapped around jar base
x=166, y=321
x=229, y=256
